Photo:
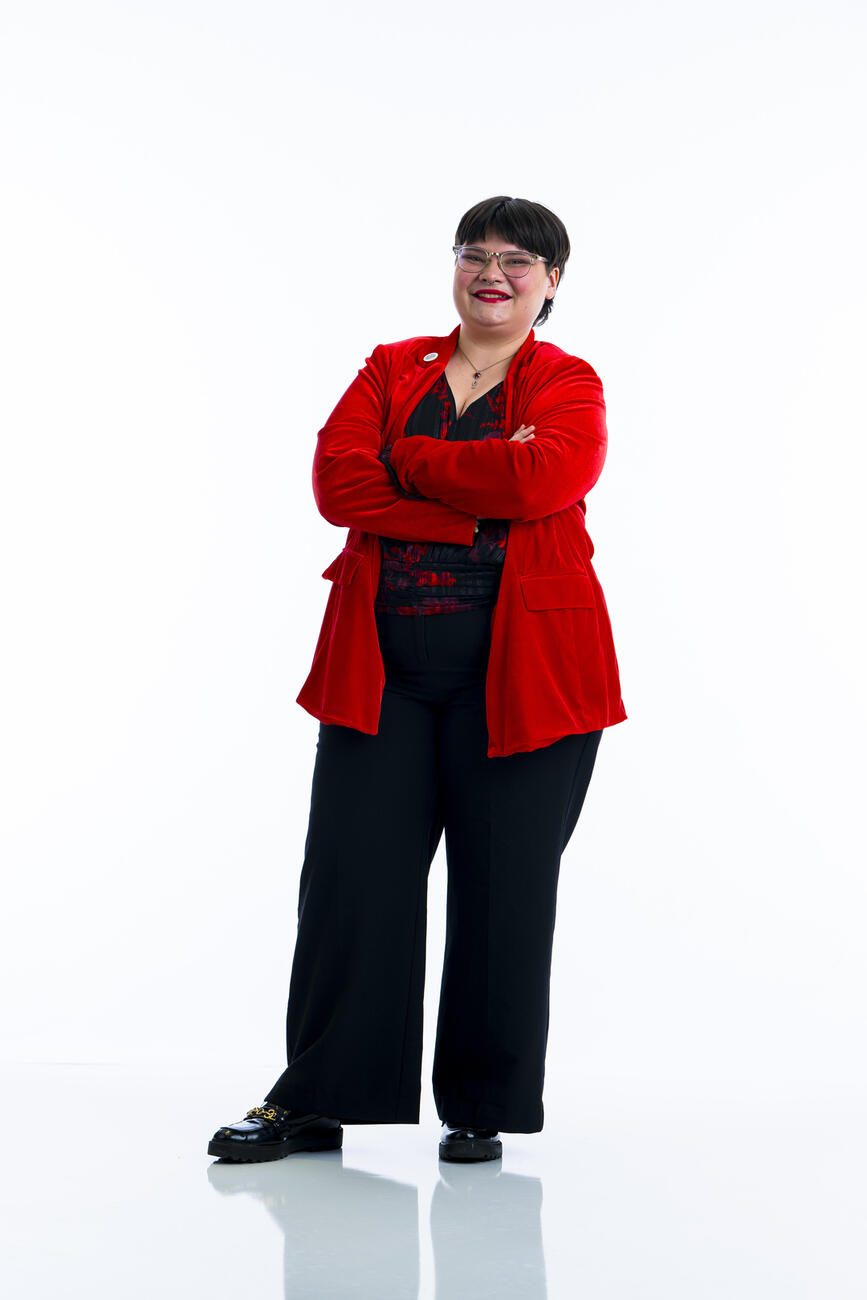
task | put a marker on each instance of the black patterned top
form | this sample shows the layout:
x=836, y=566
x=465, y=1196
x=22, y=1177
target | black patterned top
x=445, y=577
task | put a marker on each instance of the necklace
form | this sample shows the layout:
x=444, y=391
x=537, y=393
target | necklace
x=479, y=372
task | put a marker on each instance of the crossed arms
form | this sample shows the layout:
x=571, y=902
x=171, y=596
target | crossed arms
x=354, y=489
x=431, y=489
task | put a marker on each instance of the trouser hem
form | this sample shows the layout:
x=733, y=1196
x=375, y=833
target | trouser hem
x=342, y=1108
x=484, y=1115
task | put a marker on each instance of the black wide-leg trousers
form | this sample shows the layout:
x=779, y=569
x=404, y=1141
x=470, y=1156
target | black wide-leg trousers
x=378, y=810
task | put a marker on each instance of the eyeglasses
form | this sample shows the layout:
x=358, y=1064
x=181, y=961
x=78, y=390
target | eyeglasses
x=513, y=264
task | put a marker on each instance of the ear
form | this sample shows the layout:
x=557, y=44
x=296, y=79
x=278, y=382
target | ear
x=553, y=277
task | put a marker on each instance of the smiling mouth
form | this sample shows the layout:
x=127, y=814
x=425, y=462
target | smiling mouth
x=491, y=296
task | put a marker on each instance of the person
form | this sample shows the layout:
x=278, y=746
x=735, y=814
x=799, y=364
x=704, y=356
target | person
x=462, y=679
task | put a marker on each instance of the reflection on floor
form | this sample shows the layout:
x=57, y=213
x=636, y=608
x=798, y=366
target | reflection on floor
x=109, y=1191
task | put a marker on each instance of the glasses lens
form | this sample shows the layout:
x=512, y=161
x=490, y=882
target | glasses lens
x=516, y=264
x=472, y=259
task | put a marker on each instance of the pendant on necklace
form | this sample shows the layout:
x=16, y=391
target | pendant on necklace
x=476, y=378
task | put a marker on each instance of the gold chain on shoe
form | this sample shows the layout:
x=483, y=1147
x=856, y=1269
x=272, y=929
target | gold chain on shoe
x=266, y=1113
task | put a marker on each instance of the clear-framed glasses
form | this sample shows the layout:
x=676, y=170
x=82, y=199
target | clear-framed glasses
x=511, y=263
x=514, y=264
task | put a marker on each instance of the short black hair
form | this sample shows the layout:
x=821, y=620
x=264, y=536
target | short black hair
x=530, y=225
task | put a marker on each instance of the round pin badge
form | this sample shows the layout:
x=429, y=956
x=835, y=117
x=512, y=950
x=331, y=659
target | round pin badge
x=431, y=356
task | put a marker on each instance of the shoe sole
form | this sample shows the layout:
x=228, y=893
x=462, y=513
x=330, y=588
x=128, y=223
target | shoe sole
x=330, y=1141
x=472, y=1149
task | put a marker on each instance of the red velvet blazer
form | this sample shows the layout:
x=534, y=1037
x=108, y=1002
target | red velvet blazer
x=552, y=669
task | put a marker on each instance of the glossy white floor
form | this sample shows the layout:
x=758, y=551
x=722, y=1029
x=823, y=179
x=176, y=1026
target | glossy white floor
x=109, y=1191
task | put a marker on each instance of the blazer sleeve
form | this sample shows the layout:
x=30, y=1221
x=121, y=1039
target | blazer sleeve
x=354, y=488
x=495, y=478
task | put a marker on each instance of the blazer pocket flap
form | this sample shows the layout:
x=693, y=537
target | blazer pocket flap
x=343, y=566
x=557, y=590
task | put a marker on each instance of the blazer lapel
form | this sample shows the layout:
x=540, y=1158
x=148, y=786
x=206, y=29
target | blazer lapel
x=417, y=377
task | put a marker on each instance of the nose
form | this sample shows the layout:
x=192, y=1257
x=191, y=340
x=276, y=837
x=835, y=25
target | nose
x=492, y=272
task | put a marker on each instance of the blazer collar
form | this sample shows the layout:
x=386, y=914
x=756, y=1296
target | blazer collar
x=446, y=345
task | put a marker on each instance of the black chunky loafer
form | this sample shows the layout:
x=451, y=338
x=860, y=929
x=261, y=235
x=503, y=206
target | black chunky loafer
x=464, y=1142
x=270, y=1132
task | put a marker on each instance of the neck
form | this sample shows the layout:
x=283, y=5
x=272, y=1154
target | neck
x=484, y=351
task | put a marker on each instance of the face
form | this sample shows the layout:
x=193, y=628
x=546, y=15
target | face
x=489, y=302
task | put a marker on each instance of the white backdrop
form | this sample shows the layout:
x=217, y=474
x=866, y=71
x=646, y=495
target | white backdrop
x=210, y=214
